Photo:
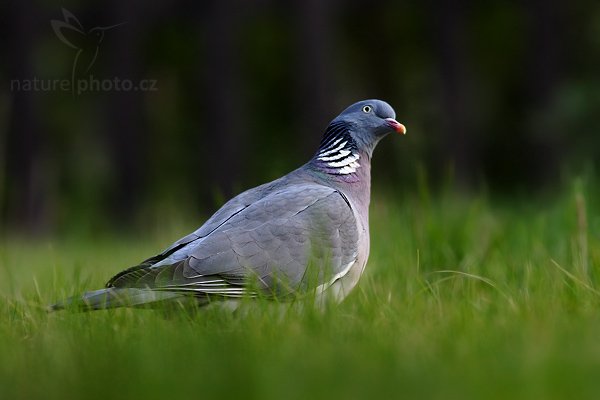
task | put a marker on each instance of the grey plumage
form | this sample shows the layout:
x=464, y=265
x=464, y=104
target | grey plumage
x=307, y=231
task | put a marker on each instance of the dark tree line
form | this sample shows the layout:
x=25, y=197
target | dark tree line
x=500, y=92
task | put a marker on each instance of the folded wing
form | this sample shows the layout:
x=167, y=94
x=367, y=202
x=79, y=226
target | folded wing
x=293, y=239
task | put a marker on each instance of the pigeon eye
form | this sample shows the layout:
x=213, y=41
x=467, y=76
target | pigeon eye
x=367, y=109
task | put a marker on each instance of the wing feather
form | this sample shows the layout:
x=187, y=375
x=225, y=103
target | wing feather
x=271, y=241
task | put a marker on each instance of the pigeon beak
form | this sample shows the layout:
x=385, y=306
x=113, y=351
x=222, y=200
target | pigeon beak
x=395, y=125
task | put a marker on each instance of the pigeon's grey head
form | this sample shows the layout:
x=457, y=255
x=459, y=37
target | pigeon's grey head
x=366, y=122
x=370, y=120
x=356, y=131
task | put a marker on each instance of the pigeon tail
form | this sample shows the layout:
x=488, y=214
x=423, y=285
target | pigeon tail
x=112, y=298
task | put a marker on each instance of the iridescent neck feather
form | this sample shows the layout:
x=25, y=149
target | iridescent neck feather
x=338, y=152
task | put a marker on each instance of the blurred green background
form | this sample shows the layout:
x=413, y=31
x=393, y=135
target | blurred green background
x=501, y=95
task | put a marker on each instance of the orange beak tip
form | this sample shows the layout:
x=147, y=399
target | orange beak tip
x=397, y=126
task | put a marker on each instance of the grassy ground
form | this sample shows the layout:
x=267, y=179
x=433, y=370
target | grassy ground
x=462, y=298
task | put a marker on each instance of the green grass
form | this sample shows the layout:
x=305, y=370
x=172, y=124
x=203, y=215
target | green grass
x=462, y=298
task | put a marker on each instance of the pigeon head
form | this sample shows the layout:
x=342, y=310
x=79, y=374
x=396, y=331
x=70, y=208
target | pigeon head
x=356, y=131
x=372, y=119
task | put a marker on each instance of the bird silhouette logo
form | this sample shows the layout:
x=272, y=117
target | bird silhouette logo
x=86, y=42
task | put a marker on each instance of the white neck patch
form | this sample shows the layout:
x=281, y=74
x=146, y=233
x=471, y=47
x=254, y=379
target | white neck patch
x=342, y=158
